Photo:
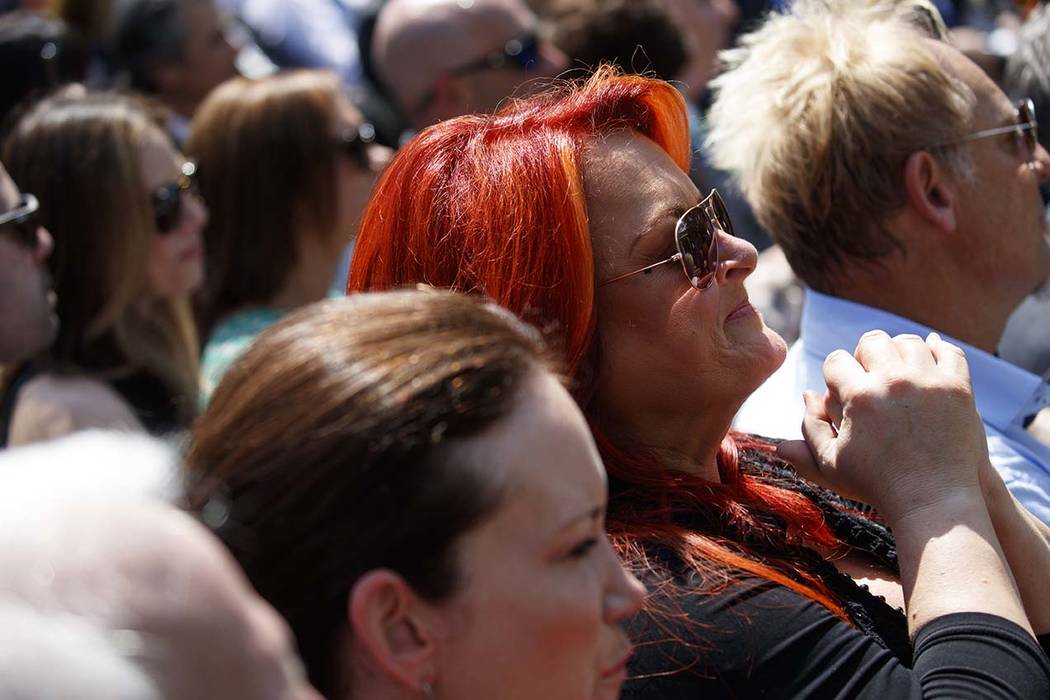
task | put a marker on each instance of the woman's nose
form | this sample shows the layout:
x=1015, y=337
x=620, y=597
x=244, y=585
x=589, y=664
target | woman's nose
x=626, y=594
x=737, y=258
x=197, y=210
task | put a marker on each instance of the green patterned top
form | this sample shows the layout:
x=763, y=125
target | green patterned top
x=228, y=340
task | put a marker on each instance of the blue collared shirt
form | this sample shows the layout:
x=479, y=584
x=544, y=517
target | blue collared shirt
x=1005, y=394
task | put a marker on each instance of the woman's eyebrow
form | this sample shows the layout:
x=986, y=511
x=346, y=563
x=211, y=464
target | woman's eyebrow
x=671, y=211
x=592, y=514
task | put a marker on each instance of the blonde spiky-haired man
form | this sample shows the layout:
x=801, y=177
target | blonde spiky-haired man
x=903, y=187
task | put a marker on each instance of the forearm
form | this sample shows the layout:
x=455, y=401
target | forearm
x=951, y=561
x=1025, y=542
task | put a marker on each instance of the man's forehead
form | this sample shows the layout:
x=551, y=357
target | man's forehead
x=463, y=29
x=991, y=100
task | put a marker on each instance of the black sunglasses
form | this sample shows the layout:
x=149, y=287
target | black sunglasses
x=353, y=141
x=167, y=199
x=24, y=221
x=696, y=238
x=522, y=53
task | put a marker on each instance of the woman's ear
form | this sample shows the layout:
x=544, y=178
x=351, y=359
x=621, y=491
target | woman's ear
x=932, y=192
x=389, y=623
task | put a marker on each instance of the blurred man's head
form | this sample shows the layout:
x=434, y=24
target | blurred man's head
x=889, y=167
x=1028, y=71
x=178, y=50
x=107, y=591
x=37, y=54
x=27, y=323
x=445, y=58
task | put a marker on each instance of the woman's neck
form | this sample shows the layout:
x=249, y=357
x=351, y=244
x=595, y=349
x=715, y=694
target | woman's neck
x=309, y=280
x=682, y=441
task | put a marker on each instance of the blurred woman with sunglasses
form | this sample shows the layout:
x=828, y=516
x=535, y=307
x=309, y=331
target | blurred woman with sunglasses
x=574, y=209
x=117, y=198
x=404, y=478
x=286, y=165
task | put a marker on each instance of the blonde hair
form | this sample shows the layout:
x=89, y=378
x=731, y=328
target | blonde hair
x=816, y=116
x=78, y=152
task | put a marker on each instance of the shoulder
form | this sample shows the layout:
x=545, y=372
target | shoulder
x=747, y=637
x=231, y=337
x=50, y=405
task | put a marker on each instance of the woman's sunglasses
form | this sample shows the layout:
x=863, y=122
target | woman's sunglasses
x=167, y=199
x=353, y=141
x=24, y=221
x=696, y=238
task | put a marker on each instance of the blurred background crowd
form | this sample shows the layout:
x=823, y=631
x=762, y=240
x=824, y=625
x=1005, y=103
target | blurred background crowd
x=200, y=201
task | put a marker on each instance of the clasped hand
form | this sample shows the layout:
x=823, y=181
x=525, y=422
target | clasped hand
x=897, y=428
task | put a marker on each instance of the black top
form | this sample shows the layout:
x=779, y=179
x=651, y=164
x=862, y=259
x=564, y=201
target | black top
x=760, y=640
x=757, y=639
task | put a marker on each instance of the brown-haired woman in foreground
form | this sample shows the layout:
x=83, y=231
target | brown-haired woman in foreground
x=286, y=165
x=405, y=480
x=573, y=208
x=118, y=200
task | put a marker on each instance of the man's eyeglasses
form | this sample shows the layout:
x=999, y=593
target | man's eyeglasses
x=167, y=199
x=24, y=221
x=520, y=53
x=1025, y=126
x=696, y=238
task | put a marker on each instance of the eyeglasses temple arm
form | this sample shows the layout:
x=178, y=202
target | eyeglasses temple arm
x=674, y=258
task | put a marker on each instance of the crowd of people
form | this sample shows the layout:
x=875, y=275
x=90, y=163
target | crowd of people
x=391, y=349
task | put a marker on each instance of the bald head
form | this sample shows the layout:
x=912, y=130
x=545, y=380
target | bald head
x=420, y=48
x=110, y=592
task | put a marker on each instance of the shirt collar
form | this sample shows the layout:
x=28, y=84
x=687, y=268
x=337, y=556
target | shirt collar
x=1003, y=392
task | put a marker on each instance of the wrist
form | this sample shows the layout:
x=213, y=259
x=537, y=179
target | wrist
x=940, y=508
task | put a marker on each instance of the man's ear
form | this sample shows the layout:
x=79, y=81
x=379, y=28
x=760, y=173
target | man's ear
x=390, y=623
x=932, y=191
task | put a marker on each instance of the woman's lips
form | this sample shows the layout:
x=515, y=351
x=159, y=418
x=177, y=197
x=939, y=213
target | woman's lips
x=744, y=310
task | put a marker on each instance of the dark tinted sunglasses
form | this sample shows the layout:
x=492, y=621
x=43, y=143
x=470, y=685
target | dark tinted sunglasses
x=353, y=142
x=521, y=53
x=696, y=238
x=167, y=199
x=24, y=221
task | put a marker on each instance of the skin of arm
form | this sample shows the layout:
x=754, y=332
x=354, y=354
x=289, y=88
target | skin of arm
x=1025, y=541
x=49, y=407
x=899, y=429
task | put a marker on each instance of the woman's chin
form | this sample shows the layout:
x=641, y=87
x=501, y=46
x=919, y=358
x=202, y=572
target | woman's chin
x=767, y=354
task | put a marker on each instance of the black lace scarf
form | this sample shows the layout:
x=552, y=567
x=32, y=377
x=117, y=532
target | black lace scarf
x=856, y=526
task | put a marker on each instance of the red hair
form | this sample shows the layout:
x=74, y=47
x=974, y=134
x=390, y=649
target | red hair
x=495, y=205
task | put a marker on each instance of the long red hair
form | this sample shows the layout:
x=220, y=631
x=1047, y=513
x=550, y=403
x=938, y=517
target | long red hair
x=494, y=204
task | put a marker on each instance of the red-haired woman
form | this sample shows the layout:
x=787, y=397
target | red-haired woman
x=573, y=208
